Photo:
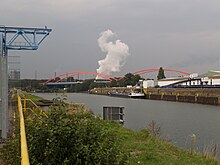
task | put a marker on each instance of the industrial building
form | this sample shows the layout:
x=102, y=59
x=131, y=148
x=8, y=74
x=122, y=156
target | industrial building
x=209, y=79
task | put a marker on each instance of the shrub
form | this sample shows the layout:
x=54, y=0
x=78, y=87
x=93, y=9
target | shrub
x=73, y=137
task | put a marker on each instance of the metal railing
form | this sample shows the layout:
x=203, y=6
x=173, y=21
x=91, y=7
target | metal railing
x=24, y=148
x=35, y=106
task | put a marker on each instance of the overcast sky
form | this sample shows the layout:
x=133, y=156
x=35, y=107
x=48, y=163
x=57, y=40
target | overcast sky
x=174, y=34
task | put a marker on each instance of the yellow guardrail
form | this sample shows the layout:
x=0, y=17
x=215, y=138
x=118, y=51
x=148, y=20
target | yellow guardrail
x=35, y=105
x=25, y=103
x=24, y=148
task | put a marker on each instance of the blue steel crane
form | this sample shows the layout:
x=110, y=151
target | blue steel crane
x=10, y=40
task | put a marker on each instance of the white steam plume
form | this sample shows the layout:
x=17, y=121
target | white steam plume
x=116, y=54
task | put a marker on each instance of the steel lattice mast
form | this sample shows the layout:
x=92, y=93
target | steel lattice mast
x=9, y=40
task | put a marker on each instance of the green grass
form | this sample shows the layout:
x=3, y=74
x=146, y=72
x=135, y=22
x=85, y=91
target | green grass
x=145, y=149
x=32, y=97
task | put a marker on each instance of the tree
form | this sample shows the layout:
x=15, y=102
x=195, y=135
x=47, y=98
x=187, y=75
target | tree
x=161, y=74
x=130, y=79
x=70, y=79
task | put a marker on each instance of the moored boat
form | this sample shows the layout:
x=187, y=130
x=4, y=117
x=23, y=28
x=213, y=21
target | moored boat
x=116, y=94
x=136, y=95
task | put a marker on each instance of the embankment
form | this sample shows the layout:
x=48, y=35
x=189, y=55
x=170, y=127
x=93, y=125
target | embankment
x=209, y=96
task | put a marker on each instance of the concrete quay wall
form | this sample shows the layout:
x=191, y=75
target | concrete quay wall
x=209, y=96
x=186, y=91
x=189, y=99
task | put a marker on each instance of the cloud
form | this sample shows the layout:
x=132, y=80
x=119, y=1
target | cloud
x=158, y=32
x=117, y=53
x=61, y=8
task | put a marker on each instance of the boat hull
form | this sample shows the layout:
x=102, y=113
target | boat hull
x=124, y=95
x=137, y=95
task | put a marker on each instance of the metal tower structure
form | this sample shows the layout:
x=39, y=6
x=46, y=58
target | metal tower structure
x=14, y=38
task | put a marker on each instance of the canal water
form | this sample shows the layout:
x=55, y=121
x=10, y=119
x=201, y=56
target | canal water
x=178, y=121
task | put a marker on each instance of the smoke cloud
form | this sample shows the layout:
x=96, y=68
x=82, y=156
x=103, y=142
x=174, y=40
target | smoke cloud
x=116, y=53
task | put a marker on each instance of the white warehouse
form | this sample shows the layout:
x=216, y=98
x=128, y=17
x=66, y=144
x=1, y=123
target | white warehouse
x=209, y=79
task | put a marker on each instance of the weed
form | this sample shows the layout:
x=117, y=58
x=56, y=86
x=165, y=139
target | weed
x=154, y=128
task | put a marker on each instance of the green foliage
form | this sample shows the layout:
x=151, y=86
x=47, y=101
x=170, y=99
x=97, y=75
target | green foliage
x=150, y=150
x=114, y=83
x=32, y=97
x=70, y=79
x=85, y=86
x=70, y=136
x=10, y=151
x=129, y=79
x=73, y=138
x=28, y=84
x=31, y=85
x=161, y=74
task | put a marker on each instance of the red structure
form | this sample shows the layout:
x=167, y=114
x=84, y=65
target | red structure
x=107, y=77
x=140, y=72
x=71, y=74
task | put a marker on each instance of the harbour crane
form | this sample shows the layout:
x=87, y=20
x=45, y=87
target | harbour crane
x=10, y=39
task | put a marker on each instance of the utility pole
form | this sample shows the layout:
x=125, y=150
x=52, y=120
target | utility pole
x=4, y=87
x=9, y=40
